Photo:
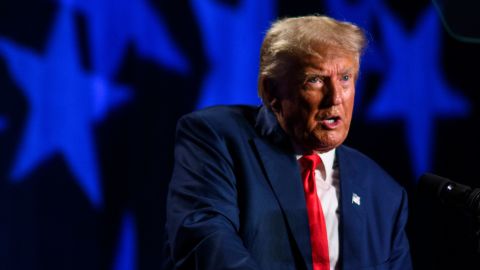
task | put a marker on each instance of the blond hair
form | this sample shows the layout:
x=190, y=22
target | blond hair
x=291, y=40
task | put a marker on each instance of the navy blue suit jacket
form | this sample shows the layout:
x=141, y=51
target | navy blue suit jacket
x=236, y=199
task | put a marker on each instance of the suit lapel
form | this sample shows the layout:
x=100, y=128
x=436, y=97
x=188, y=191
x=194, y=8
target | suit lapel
x=284, y=176
x=353, y=200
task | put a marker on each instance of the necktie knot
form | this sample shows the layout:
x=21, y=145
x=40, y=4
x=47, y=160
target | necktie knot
x=310, y=161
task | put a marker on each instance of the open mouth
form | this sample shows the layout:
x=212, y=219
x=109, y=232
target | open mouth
x=330, y=122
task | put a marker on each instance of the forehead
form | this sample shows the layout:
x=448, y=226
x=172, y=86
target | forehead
x=332, y=59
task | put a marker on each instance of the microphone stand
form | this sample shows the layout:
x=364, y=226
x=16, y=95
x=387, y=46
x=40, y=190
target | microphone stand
x=477, y=233
x=473, y=202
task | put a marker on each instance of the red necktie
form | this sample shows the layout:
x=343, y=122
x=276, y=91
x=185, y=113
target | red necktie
x=316, y=219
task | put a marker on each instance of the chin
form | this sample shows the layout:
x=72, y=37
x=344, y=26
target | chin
x=320, y=145
x=324, y=148
x=326, y=142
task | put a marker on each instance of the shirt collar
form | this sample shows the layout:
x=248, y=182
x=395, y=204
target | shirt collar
x=328, y=159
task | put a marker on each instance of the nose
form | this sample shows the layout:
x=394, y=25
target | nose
x=333, y=94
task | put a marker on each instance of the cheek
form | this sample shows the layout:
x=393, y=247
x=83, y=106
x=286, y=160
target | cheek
x=292, y=116
x=348, y=110
x=309, y=117
x=349, y=100
x=300, y=109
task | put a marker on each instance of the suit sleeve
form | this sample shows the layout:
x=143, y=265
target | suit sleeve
x=202, y=211
x=400, y=259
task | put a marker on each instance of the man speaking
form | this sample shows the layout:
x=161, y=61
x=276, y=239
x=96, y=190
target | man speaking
x=272, y=187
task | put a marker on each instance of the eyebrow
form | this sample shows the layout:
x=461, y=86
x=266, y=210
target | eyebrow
x=320, y=73
x=349, y=70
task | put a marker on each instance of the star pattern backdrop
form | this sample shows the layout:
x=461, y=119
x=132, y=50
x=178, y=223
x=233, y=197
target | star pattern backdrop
x=3, y=123
x=90, y=92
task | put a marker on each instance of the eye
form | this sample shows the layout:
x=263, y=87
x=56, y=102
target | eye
x=345, y=77
x=314, y=79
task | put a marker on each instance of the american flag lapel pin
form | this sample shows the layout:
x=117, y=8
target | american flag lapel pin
x=355, y=199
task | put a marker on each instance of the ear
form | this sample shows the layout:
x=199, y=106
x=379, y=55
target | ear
x=267, y=88
x=271, y=94
x=276, y=105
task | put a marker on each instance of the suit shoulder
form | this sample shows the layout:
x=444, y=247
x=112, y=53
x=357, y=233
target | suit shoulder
x=222, y=119
x=223, y=113
x=368, y=166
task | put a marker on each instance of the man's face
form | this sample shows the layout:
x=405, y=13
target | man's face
x=314, y=104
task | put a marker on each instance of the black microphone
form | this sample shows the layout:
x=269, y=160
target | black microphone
x=450, y=193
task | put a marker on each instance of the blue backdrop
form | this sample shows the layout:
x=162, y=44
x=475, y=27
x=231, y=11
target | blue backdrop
x=90, y=91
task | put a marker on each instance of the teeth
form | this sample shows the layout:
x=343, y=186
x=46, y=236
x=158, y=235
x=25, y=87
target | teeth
x=330, y=121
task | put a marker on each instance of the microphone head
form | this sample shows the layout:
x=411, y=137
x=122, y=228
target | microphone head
x=432, y=184
x=449, y=192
